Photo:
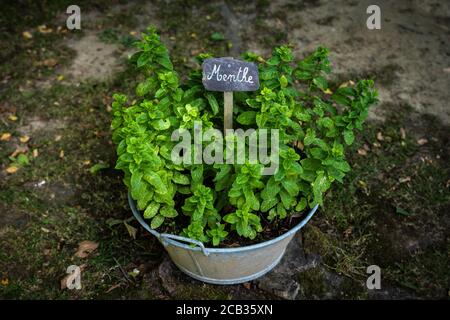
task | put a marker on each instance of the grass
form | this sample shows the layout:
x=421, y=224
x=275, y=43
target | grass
x=41, y=226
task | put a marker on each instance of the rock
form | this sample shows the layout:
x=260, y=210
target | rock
x=282, y=280
x=280, y=286
x=390, y=293
x=166, y=275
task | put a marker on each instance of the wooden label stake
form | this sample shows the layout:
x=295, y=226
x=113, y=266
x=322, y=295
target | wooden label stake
x=228, y=110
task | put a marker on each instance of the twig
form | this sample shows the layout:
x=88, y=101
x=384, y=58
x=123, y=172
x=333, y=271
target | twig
x=123, y=271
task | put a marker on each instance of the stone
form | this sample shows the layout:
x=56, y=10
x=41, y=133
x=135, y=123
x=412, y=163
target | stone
x=282, y=280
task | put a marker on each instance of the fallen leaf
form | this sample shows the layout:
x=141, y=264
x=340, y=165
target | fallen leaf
x=45, y=230
x=61, y=154
x=362, y=152
x=35, y=153
x=58, y=137
x=43, y=29
x=422, y=141
x=4, y=282
x=86, y=162
x=380, y=136
x=12, y=169
x=85, y=248
x=13, y=117
x=346, y=84
x=5, y=136
x=27, y=35
x=60, y=78
x=402, y=133
x=133, y=33
x=19, y=150
x=376, y=145
x=50, y=62
x=298, y=144
x=247, y=285
x=24, y=139
x=131, y=230
x=403, y=180
x=348, y=232
x=113, y=287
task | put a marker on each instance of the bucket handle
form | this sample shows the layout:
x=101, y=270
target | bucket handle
x=164, y=236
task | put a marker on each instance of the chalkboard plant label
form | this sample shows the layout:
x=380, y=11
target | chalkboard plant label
x=228, y=74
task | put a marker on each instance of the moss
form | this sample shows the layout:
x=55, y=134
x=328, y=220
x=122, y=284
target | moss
x=312, y=284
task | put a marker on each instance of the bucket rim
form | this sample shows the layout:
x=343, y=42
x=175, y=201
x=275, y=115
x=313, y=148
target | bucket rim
x=206, y=250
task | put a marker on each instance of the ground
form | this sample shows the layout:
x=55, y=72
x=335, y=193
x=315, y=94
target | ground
x=55, y=95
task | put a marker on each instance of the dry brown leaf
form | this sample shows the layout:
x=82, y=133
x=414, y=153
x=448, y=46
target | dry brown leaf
x=376, y=145
x=348, y=232
x=35, y=153
x=346, y=84
x=403, y=180
x=50, y=62
x=113, y=287
x=12, y=169
x=58, y=137
x=27, y=35
x=61, y=154
x=380, y=136
x=5, y=136
x=131, y=230
x=362, y=152
x=24, y=139
x=19, y=149
x=422, y=141
x=85, y=248
x=43, y=29
x=402, y=133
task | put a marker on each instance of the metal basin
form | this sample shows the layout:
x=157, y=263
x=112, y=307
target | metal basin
x=223, y=265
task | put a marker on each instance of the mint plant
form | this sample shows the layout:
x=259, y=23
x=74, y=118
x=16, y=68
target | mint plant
x=315, y=124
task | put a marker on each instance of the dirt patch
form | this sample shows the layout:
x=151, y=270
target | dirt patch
x=407, y=57
x=36, y=124
x=94, y=60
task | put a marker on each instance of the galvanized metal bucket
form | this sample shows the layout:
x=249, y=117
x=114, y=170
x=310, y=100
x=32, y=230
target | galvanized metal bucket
x=223, y=265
